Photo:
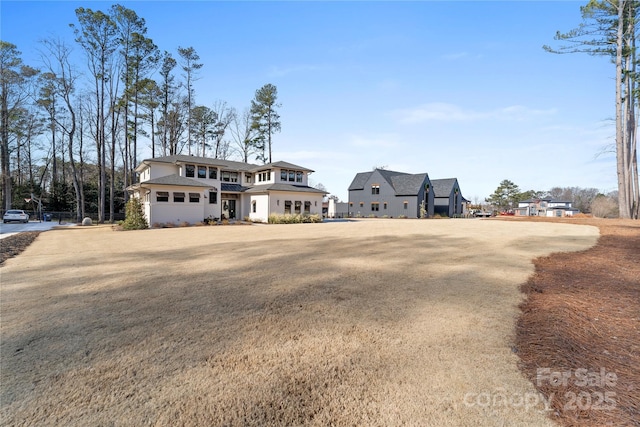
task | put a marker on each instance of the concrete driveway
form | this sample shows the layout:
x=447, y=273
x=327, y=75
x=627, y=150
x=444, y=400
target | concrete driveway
x=18, y=227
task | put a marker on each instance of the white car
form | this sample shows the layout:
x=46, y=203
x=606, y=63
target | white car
x=15, y=215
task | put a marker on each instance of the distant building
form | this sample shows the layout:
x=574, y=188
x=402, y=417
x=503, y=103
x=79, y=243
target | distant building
x=545, y=206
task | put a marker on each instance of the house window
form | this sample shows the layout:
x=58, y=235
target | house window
x=247, y=178
x=375, y=207
x=307, y=207
x=230, y=176
x=202, y=172
x=283, y=175
x=178, y=197
x=213, y=173
x=287, y=206
x=213, y=197
x=384, y=206
x=194, y=197
x=190, y=171
x=253, y=206
x=162, y=196
x=298, y=206
x=362, y=204
x=264, y=176
x=292, y=176
x=375, y=189
x=298, y=176
x=351, y=204
x=406, y=205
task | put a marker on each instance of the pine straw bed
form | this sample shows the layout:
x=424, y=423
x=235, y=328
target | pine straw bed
x=583, y=313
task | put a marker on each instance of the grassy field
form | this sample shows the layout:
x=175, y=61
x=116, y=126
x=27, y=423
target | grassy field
x=372, y=322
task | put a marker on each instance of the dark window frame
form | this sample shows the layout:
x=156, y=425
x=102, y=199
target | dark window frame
x=178, y=197
x=162, y=196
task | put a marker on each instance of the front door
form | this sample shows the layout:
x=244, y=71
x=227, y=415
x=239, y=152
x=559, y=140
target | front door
x=229, y=209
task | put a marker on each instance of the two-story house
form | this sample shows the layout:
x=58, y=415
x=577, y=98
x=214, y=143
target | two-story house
x=180, y=188
x=394, y=194
x=545, y=206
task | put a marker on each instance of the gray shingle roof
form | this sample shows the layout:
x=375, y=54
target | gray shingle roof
x=282, y=165
x=181, y=158
x=404, y=184
x=228, y=164
x=408, y=185
x=443, y=187
x=285, y=187
x=359, y=181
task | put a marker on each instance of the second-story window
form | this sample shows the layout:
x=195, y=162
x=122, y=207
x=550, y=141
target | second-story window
x=283, y=175
x=230, y=176
x=298, y=176
x=202, y=172
x=375, y=189
x=190, y=171
x=213, y=173
x=292, y=176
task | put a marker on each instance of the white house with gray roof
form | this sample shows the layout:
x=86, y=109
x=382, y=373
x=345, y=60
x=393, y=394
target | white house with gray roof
x=545, y=206
x=393, y=194
x=180, y=188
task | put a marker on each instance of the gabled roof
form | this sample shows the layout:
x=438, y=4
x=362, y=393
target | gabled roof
x=285, y=187
x=443, y=187
x=176, y=179
x=404, y=184
x=359, y=181
x=408, y=185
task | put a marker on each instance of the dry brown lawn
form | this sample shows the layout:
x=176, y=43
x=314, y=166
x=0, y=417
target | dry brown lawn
x=374, y=322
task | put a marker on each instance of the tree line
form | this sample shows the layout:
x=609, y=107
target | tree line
x=71, y=135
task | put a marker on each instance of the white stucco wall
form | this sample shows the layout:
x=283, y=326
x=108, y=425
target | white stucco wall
x=176, y=213
x=262, y=207
x=159, y=170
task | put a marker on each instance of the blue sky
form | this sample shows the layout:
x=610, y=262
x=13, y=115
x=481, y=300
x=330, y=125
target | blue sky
x=451, y=88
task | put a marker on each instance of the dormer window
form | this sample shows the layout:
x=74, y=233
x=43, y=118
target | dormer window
x=202, y=172
x=292, y=176
x=190, y=171
x=298, y=176
x=283, y=175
